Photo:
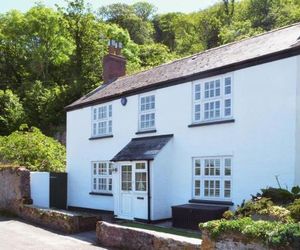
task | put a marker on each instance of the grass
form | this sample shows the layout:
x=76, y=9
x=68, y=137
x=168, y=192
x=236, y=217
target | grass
x=176, y=231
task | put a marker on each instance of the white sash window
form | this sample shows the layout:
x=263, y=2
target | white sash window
x=212, y=99
x=212, y=178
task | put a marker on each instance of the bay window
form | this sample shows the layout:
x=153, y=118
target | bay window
x=212, y=178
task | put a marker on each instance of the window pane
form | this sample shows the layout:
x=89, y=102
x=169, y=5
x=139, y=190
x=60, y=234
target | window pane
x=227, y=165
x=102, y=169
x=227, y=189
x=197, y=167
x=227, y=86
x=126, y=177
x=197, y=188
x=197, y=112
x=197, y=92
x=140, y=165
x=140, y=181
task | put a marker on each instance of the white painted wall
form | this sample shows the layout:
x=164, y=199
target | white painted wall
x=262, y=140
x=40, y=188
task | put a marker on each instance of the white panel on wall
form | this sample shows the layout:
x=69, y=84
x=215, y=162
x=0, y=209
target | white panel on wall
x=39, y=186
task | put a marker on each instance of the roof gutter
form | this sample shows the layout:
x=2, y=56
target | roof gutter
x=293, y=51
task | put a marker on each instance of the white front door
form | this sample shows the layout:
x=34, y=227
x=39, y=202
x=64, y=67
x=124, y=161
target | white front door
x=126, y=191
x=133, y=191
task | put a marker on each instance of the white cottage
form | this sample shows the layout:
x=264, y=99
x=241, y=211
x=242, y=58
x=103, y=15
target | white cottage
x=212, y=128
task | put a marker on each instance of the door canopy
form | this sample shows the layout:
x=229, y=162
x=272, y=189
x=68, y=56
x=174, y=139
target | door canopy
x=143, y=148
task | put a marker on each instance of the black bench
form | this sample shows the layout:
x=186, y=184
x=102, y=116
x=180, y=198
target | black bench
x=190, y=215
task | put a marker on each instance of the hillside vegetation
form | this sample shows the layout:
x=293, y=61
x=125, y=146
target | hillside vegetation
x=51, y=57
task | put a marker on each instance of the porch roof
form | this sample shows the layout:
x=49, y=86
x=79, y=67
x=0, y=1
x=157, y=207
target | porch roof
x=142, y=148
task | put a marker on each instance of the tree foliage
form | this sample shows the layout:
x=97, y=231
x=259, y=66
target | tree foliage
x=30, y=148
x=51, y=57
x=11, y=112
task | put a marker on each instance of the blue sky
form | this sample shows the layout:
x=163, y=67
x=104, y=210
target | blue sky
x=162, y=5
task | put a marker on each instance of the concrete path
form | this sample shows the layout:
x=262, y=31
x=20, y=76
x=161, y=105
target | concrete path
x=18, y=235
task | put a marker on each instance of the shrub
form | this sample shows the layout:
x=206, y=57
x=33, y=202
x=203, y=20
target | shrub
x=228, y=215
x=278, y=195
x=270, y=233
x=295, y=209
x=264, y=208
x=30, y=148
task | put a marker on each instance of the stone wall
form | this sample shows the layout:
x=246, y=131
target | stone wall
x=235, y=241
x=14, y=188
x=116, y=236
x=15, y=199
x=60, y=220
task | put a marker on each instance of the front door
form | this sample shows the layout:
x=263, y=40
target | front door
x=133, y=191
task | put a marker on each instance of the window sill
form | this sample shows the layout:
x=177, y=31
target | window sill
x=146, y=132
x=212, y=202
x=200, y=124
x=103, y=194
x=100, y=137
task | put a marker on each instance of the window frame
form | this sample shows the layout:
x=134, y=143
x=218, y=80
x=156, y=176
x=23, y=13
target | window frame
x=202, y=178
x=202, y=101
x=108, y=119
x=146, y=112
x=108, y=176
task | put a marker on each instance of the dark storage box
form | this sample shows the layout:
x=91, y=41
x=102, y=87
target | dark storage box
x=190, y=215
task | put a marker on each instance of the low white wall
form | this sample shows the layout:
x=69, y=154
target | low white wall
x=39, y=185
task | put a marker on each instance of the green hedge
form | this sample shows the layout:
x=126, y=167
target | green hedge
x=270, y=233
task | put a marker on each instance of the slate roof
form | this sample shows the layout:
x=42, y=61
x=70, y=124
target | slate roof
x=143, y=148
x=284, y=40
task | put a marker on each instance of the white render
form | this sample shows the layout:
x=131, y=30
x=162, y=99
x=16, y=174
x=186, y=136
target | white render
x=40, y=188
x=263, y=141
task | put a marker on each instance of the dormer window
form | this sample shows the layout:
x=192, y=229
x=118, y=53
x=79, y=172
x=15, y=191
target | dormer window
x=147, y=112
x=102, y=120
x=212, y=99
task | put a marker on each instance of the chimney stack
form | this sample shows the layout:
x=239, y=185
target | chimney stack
x=114, y=64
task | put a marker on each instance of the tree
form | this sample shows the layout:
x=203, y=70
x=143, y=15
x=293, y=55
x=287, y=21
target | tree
x=144, y=10
x=30, y=148
x=165, y=31
x=154, y=54
x=131, y=18
x=48, y=43
x=11, y=112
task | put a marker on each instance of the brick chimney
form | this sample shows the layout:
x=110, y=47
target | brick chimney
x=114, y=64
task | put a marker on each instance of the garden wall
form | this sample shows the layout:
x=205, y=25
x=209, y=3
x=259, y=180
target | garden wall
x=116, y=236
x=235, y=241
x=15, y=198
x=14, y=188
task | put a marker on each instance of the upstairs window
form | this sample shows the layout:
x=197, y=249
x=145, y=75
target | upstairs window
x=102, y=120
x=147, y=112
x=212, y=99
x=102, y=177
x=212, y=178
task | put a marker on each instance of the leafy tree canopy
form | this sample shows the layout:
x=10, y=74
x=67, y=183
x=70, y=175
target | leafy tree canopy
x=30, y=148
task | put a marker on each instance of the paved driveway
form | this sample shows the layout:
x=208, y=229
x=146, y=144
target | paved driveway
x=18, y=235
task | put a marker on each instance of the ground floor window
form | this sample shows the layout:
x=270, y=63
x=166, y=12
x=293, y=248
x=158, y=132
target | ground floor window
x=102, y=176
x=212, y=177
